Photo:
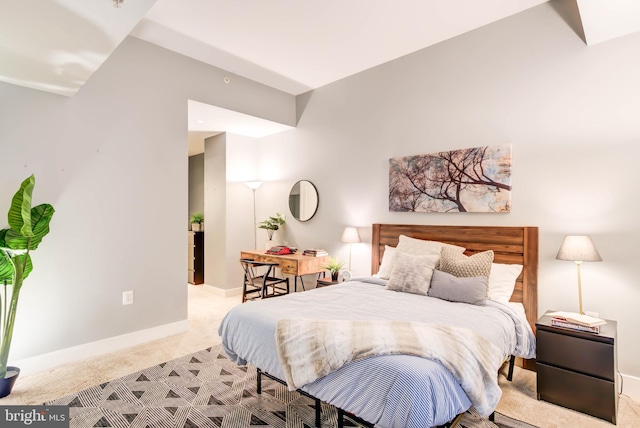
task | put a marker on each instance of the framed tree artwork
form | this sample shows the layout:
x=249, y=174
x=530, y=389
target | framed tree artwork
x=477, y=179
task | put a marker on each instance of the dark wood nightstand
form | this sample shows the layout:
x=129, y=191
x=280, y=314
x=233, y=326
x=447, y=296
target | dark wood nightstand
x=323, y=282
x=578, y=370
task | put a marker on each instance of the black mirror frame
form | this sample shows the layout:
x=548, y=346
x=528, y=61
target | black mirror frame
x=315, y=189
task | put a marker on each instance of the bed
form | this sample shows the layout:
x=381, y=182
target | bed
x=397, y=390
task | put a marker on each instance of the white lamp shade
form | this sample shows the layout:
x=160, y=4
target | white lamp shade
x=253, y=185
x=350, y=235
x=578, y=248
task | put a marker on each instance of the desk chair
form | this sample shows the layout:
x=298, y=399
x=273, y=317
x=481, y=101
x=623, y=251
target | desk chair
x=261, y=285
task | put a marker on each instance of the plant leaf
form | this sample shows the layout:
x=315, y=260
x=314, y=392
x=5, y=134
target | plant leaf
x=20, y=210
x=40, y=218
x=6, y=268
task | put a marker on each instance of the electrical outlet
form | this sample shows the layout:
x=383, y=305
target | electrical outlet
x=127, y=297
x=592, y=314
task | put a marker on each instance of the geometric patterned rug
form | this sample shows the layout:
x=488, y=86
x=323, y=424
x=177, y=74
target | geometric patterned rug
x=205, y=389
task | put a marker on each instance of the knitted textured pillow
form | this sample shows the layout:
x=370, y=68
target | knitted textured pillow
x=460, y=265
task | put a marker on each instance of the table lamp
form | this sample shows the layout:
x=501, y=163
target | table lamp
x=578, y=249
x=350, y=236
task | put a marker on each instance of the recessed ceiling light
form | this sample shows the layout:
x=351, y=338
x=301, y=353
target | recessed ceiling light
x=200, y=121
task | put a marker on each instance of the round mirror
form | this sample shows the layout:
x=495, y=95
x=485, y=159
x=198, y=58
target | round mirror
x=303, y=200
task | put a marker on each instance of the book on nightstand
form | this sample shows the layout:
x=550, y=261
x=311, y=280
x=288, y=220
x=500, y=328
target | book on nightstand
x=315, y=253
x=576, y=321
x=573, y=326
x=575, y=318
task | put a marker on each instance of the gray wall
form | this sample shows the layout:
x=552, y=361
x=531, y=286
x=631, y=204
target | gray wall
x=196, y=185
x=569, y=111
x=113, y=162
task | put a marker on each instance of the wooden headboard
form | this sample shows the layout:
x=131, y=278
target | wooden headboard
x=510, y=244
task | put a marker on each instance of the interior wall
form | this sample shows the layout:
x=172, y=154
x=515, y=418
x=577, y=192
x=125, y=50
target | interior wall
x=215, y=213
x=569, y=111
x=230, y=161
x=196, y=185
x=112, y=160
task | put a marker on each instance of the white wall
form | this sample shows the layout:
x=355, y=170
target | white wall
x=569, y=111
x=112, y=160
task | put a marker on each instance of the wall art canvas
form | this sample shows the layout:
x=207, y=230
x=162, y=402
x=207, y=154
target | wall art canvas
x=466, y=180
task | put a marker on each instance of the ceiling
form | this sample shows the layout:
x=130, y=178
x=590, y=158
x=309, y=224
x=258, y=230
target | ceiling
x=291, y=45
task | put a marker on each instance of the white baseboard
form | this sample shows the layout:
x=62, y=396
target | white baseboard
x=100, y=347
x=223, y=292
x=631, y=387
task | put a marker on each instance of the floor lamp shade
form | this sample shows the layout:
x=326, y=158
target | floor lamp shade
x=578, y=249
x=253, y=185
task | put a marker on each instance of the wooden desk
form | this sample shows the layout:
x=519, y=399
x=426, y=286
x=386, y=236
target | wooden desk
x=291, y=264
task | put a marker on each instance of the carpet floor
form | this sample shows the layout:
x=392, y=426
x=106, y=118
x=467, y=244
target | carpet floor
x=205, y=389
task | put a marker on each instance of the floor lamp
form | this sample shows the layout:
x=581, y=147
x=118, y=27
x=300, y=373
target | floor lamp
x=578, y=249
x=253, y=185
x=350, y=236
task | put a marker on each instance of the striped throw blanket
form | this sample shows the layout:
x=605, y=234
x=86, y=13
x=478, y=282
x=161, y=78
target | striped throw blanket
x=310, y=349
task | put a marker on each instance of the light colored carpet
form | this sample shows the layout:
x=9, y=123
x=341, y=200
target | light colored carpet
x=206, y=310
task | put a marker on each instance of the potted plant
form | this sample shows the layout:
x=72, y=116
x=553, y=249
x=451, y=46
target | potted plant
x=196, y=221
x=272, y=224
x=27, y=227
x=334, y=267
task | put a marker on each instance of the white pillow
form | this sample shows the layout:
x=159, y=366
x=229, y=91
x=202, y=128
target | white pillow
x=387, y=263
x=502, y=281
x=410, y=245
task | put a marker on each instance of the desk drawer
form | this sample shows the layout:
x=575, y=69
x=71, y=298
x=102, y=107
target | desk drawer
x=288, y=266
x=577, y=354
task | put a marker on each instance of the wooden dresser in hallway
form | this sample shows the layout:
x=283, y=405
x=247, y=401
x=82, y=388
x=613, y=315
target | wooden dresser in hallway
x=195, y=248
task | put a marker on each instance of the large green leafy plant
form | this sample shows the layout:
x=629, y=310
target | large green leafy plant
x=27, y=227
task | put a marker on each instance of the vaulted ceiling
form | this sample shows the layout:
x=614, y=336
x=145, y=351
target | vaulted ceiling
x=291, y=45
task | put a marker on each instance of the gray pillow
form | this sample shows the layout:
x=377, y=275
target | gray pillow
x=471, y=289
x=411, y=273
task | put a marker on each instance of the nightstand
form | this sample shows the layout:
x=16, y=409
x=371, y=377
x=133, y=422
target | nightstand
x=578, y=370
x=323, y=282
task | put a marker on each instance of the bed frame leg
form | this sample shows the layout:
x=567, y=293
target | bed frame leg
x=454, y=422
x=259, y=381
x=318, y=413
x=512, y=361
x=340, y=418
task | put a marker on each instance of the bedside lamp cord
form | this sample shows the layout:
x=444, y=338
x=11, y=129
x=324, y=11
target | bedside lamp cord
x=621, y=382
